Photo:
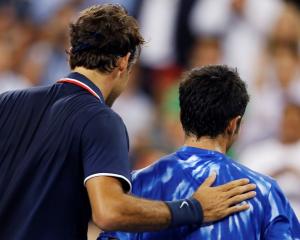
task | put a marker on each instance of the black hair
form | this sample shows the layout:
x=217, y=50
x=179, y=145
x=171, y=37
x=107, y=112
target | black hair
x=209, y=98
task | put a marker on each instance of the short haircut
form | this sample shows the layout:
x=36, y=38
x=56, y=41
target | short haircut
x=101, y=35
x=209, y=98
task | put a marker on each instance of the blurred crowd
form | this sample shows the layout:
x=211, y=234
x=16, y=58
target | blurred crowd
x=260, y=38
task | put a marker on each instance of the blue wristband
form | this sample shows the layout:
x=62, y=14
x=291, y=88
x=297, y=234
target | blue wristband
x=185, y=212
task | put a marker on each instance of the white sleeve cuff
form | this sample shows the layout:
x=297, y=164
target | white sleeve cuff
x=110, y=175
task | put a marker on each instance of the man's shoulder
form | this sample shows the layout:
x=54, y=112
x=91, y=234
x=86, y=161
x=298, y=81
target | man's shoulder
x=29, y=98
x=25, y=92
x=264, y=183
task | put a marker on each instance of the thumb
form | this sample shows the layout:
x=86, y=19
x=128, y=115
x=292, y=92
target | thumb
x=210, y=180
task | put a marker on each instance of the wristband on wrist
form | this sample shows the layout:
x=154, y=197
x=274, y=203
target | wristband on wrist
x=185, y=212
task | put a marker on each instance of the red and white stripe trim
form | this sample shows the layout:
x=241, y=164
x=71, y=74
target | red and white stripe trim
x=80, y=84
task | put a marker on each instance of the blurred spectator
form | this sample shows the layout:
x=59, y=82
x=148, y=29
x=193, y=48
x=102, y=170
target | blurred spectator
x=157, y=20
x=45, y=61
x=169, y=116
x=278, y=80
x=280, y=157
x=12, y=39
x=140, y=117
x=184, y=37
x=35, y=62
x=244, y=25
x=9, y=80
x=56, y=35
x=136, y=110
x=42, y=11
x=281, y=82
x=287, y=29
x=168, y=33
x=206, y=51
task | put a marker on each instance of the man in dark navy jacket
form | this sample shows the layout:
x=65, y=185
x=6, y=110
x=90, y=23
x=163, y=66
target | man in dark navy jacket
x=64, y=152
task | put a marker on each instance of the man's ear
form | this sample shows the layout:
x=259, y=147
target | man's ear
x=234, y=126
x=123, y=62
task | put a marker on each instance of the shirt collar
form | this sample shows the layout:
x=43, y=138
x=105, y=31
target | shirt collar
x=79, y=77
x=199, y=151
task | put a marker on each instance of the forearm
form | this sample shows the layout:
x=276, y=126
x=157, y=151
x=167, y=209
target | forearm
x=113, y=210
x=135, y=214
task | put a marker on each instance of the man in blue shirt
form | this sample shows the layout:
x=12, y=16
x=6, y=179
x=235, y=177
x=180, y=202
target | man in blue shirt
x=64, y=152
x=213, y=100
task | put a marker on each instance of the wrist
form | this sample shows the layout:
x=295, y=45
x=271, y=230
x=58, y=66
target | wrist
x=185, y=212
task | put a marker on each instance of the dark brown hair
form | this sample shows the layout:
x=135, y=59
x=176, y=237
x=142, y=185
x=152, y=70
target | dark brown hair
x=101, y=35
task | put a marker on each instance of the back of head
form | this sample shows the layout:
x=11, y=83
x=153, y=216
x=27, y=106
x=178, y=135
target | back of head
x=101, y=35
x=210, y=97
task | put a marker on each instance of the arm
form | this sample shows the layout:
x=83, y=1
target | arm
x=113, y=210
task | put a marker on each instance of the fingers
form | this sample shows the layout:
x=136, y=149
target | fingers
x=210, y=180
x=240, y=198
x=224, y=200
x=241, y=189
x=236, y=183
x=236, y=209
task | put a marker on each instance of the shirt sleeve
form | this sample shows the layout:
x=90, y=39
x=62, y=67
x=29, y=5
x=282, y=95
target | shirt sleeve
x=281, y=221
x=105, y=146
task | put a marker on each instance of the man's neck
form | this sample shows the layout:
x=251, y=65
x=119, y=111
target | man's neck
x=102, y=81
x=217, y=144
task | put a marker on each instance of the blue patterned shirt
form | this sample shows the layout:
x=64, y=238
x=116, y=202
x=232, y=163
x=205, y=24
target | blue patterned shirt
x=178, y=175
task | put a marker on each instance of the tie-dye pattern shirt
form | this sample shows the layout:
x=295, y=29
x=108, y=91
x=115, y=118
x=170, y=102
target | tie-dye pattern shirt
x=178, y=175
